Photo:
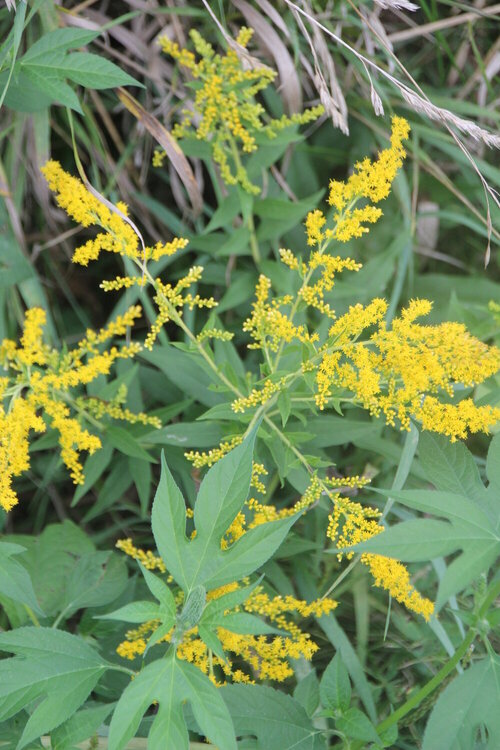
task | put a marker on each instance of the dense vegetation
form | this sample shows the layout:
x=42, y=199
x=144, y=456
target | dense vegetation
x=249, y=375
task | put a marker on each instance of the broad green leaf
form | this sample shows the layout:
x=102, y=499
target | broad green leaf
x=95, y=72
x=59, y=40
x=53, y=86
x=96, y=579
x=188, y=435
x=225, y=213
x=171, y=683
x=307, y=692
x=412, y=541
x=94, y=467
x=202, y=561
x=50, y=560
x=493, y=462
x=466, y=704
x=80, y=727
x=335, y=686
x=449, y=466
x=356, y=725
x=245, y=623
x=15, y=581
x=276, y=719
x=57, y=669
x=188, y=369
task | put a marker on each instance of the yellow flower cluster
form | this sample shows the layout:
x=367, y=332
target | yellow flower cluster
x=351, y=523
x=267, y=325
x=39, y=382
x=370, y=181
x=404, y=371
x=171, y=299
x=146, y=558
x=267, y=656
x=118, y=236
x=226, y=114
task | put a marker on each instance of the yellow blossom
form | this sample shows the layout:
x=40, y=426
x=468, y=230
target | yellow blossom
x=38, y=389
x=226, y=114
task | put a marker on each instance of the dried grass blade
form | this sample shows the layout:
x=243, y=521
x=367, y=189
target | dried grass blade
x=167, y=142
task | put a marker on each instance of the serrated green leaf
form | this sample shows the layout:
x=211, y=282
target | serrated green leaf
x=53, y=86
x=51, y=665
x=356, y=725
x=202, y=561
x=449, y=466
x=171, y=682
x=493, y=462
x=96, y=579
x=307, y=692
x=471, y=700
x=15, y=581
x=335, y=686
x=276, y=719
x=95, y=72
x=58, y=41
x=469, y=529
x=80, y=727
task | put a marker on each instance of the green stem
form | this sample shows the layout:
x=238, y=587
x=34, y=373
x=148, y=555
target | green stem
x=254, y=245
x=417, y=698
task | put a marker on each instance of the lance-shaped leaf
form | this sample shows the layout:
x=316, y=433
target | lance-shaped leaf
x=467, y=528
x=171, y=682
x=53, y=667
x=202, y=562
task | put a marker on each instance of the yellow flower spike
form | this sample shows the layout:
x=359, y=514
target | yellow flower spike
x=39, y=383
x=227, y=116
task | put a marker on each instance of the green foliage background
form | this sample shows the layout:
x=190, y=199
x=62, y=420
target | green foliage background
x=60, y=580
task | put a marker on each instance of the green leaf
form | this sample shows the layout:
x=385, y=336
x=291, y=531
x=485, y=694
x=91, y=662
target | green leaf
x=335, y=686
x=59, y=40
x=225, y=213
x=80, y=727
x=171, y=683
x=411, y=541
x=95, y=72
x=57, y=669
x=469, y=529
x=15, y=581
x=160, y=590
x=356, y=725
x=245, y=623
x=124, y=442
x=134, y=612
x=168, y=521
x=493, y=462
x=50, y=560
x=467, y=703
x=276, y=719
x=53, y=86
x=449, y=466
x=96, y=579
x=307, y=692
x=222, y=495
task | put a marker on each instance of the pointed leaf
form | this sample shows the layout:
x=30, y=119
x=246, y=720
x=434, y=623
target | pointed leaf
x=171, y=682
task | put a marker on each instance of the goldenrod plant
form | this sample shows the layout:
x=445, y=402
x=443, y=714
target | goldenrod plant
x=257, y=463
